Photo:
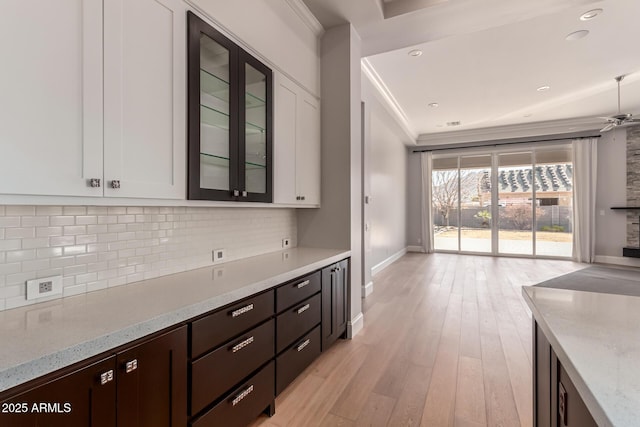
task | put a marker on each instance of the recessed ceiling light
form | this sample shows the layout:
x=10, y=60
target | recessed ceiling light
x=590, y=14
x=543, y=88
x=577, y=35
x=415, y=52
x=434, y=105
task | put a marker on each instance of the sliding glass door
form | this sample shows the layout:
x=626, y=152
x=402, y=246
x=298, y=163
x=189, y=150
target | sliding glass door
x=504, y=202
x=515, y=203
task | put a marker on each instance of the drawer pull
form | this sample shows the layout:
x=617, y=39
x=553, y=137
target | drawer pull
x=303, y=345
x=242, y=395
x=131, y=366
x=242, y=344
x=106, y=377
x=303, y=284
x=303, y=309
x=241, y=310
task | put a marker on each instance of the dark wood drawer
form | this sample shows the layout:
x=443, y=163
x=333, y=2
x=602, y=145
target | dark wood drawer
x=244, y=403
x=211, y=331
x=297, y=290
x=215, y=373
x=296, y=321
x=294, y=360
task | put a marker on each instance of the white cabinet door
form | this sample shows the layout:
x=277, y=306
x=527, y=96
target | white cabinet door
x=284, y=140
x=296, y=141
x=308, y=150
x=51, y=97
x=144, y=97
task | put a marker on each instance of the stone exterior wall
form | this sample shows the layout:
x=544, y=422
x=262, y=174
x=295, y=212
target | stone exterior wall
x=633, y=184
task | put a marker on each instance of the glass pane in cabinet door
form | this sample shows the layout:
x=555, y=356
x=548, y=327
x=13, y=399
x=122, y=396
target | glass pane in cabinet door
x=255, y=131
x=214, y=115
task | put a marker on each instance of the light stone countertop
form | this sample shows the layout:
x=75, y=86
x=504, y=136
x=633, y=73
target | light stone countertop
x=41, y=338
x=596, y=337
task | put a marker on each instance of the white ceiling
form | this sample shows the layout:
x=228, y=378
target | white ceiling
x=483, y=60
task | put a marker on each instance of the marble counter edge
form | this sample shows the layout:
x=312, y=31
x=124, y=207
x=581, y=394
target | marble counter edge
x=585, y=392
x=102, y=344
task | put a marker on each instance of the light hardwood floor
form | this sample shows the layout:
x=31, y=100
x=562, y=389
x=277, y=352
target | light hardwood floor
x=446, y=342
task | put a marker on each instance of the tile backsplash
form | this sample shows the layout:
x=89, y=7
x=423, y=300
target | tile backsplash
x=96, y=247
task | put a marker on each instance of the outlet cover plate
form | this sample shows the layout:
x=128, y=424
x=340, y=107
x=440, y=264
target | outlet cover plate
x=218, y=255
x=45, y=287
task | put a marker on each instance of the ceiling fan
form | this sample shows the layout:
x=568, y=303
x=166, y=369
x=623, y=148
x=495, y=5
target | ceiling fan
x=618, y=119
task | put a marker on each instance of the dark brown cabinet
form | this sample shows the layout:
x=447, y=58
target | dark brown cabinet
x=152, y=378
x=231, y=367
x=230, y=115
x=75, y=399
x=556, y=401
x=335, y=297
x=140, y=386
x=298, y=341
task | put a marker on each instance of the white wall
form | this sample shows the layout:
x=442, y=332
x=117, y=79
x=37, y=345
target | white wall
x=274, y=30
x=387, y=179
x=337, y=223
x=414, y=197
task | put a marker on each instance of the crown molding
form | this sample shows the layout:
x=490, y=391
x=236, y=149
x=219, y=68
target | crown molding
x=306, y=16
x=553, y=127
x=389, y=100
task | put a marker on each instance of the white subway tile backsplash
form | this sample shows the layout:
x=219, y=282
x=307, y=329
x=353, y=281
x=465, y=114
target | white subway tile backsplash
x=9, y=245
x=34, y=221
x=9, y=221
x=74, y=210
x=20, y=233
x=20, y=210
x=23, y=255
x=96, y=247
x=49, y=210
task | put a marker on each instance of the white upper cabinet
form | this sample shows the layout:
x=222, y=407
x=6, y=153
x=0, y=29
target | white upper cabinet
x=144, y=98
x=296, y=142
x=51, y=97
x=93, y=89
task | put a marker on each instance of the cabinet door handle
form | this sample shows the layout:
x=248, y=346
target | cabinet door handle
x=246, y=392
x=236, y=193
x=303, y=309
x=244, y=193
x=241, y=345
x=131, y=366
x=303, y=284
x=115, y=183
x=94, y=182
x=241, y=310
x=106, y=377
x=303, y=345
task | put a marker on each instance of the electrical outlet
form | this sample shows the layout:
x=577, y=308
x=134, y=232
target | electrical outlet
x=45, y=287
x=286, y=242
x=217, y=255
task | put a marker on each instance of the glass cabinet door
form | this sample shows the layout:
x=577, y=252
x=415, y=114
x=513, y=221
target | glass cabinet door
x=230, y=98
x=214, y=115
x=256, y=115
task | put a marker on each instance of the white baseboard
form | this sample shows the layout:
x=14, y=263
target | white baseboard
x=415, y=249
x=367, y=289
x=355, y=325
x=384, y=264
x=618, y=260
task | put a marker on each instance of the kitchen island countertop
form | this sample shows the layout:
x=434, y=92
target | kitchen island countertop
x=596, y=337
